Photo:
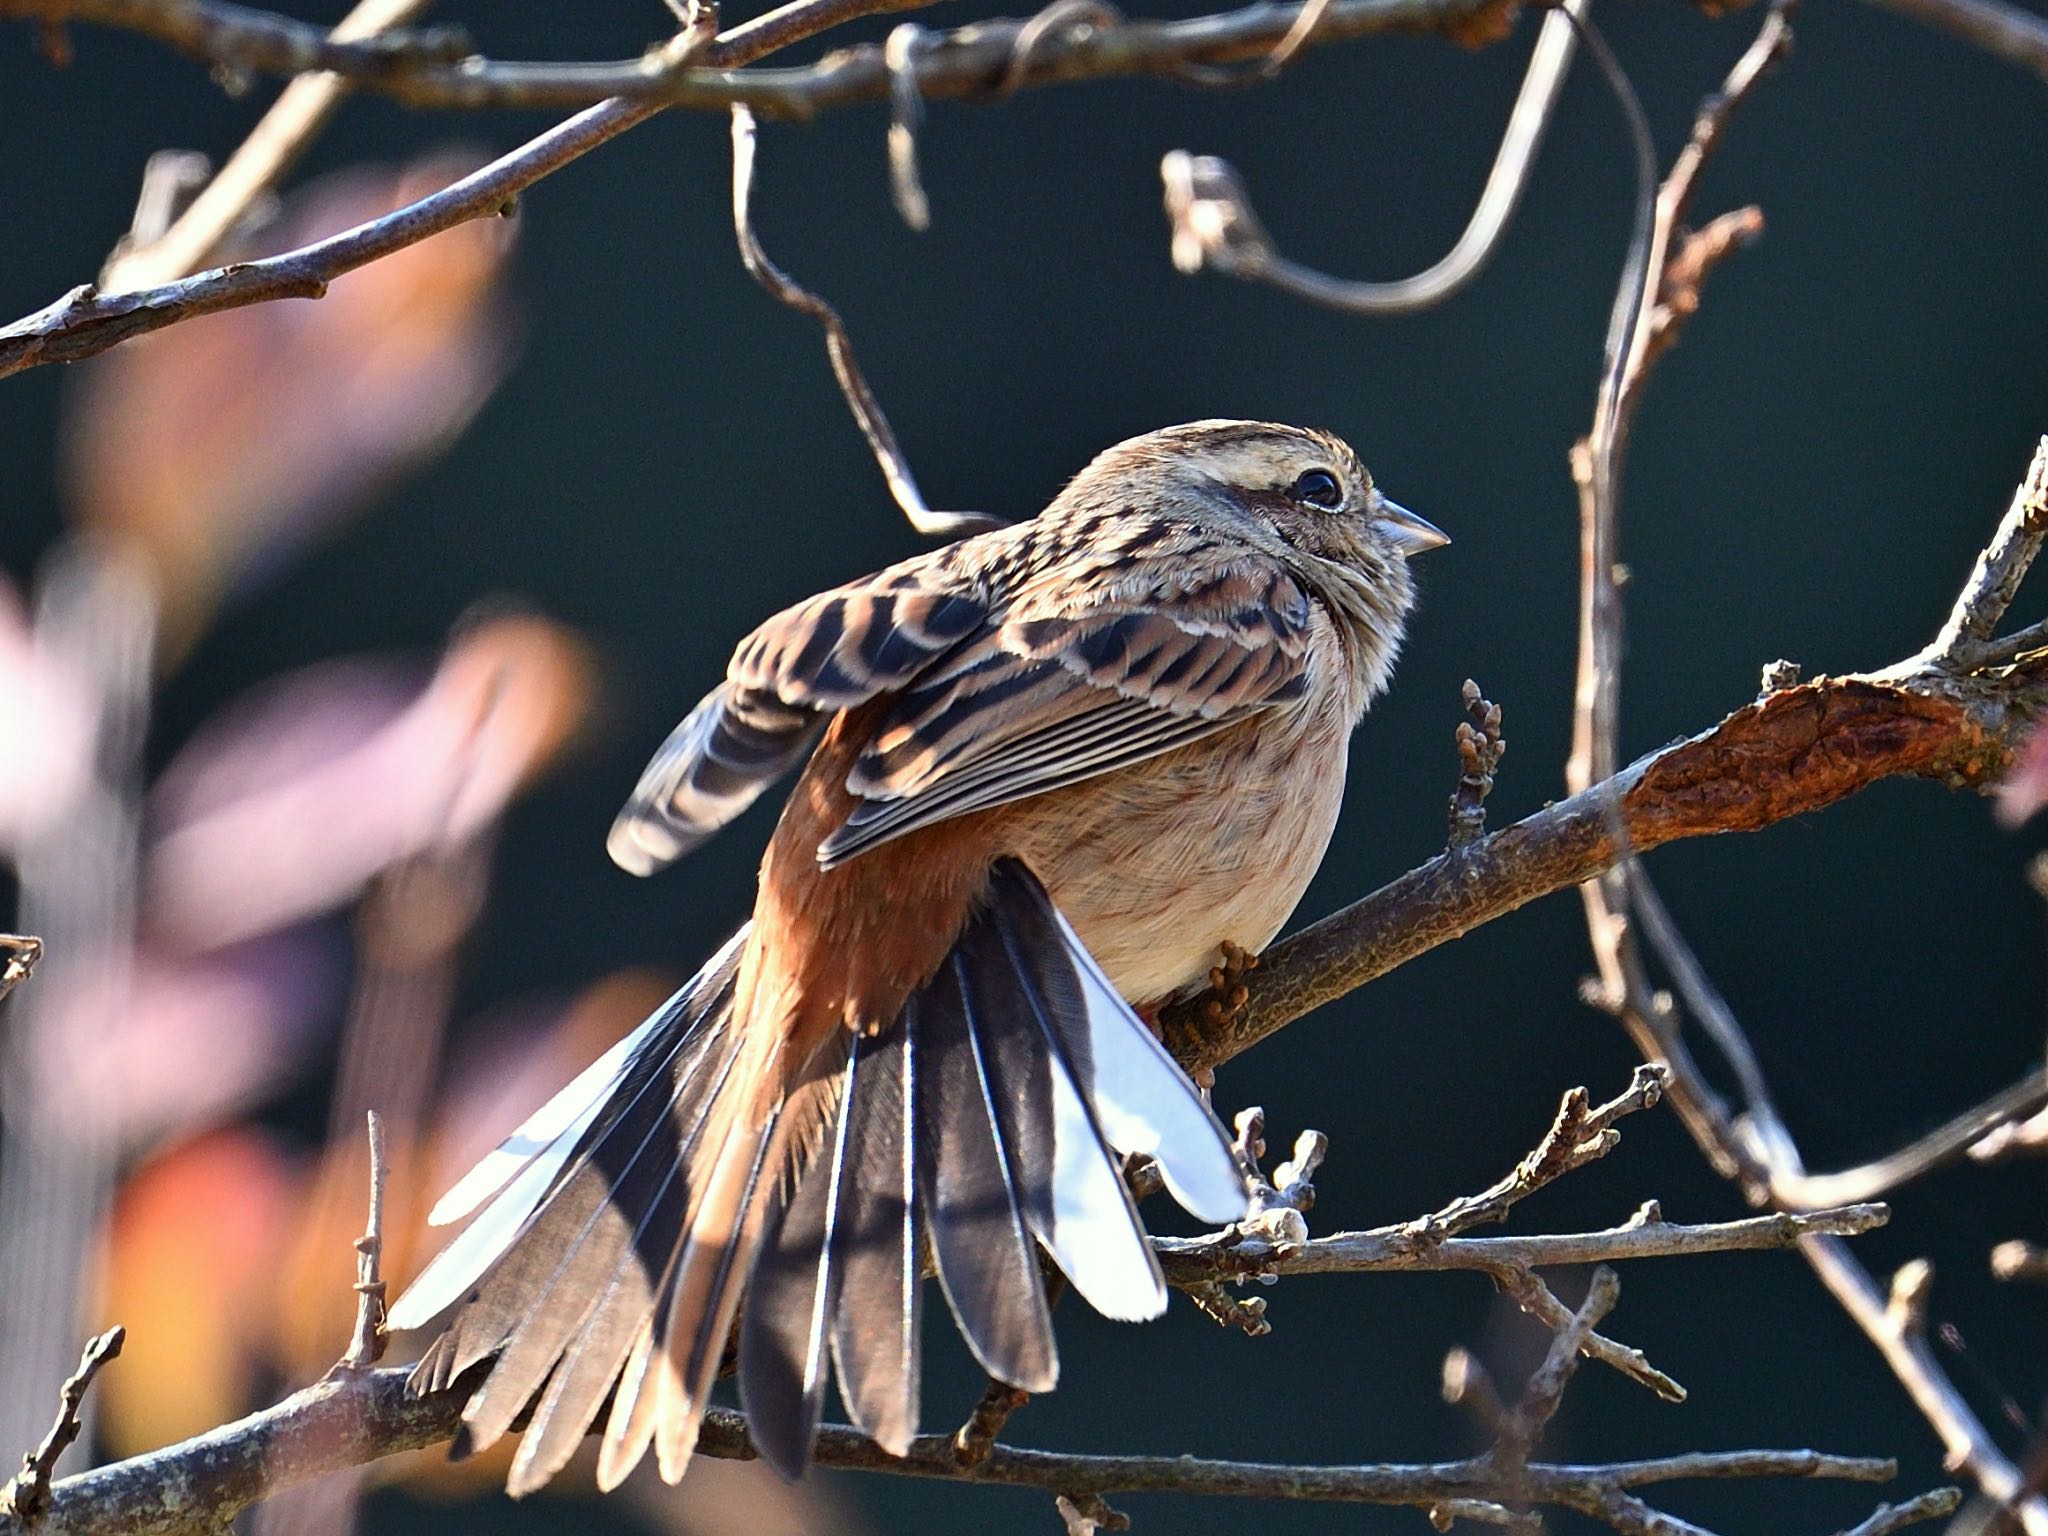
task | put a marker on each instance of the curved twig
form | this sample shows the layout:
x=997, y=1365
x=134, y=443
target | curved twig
x=1213, y=223
x=853, y=384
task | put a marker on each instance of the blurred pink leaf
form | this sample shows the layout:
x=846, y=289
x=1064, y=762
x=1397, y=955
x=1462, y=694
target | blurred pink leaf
x=46, y=741
x=187, y=1042
x=290, y=803
x=220, y=446
x=2025, y=789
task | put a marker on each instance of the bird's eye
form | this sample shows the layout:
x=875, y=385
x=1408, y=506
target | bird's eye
x=1318, y=488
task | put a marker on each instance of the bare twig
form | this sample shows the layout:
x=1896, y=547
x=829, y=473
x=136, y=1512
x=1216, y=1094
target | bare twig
x=906, y=116
x=272, y=148
x=1545, y=1390
x=27, y=1495
x=1996, y=578
x=853, y=384
x=1935, y=1504
x=1902, y=1340
x=1213, y=224
x=1797, y=1189
x=432, y=68
x=366, y=1346
x=2003, y=30
x=2019, y=1260
x=1480, y=748
x=1393, y=1249
x=199, y=1485
x=85, y=322
x=1579, y=1134
x=23, y=951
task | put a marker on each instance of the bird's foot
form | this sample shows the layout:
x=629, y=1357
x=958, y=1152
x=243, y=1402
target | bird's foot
x=1228, y=994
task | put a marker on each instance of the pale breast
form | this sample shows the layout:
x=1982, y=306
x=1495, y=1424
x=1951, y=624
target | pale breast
x=1158, y=864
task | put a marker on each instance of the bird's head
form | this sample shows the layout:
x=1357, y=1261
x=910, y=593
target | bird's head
x=1300, y=494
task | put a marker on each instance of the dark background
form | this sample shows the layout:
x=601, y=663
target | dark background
x=1814, y=470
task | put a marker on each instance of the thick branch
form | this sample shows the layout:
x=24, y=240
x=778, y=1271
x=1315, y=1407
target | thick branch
x=1791, y=752
x=202, y=1483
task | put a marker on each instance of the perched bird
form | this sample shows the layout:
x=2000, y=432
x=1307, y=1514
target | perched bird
x=1056, y=767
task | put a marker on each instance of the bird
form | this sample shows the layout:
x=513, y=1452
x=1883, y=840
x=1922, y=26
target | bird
x=1048, y=772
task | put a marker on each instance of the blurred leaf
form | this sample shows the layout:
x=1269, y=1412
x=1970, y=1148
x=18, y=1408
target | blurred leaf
x=46, y=729
x=219, y=447
x=186, y=1042
x=192, y=1256
x=2025, y=789
x=289, y=803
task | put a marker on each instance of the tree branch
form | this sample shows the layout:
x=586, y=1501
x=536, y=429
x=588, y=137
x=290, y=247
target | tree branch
x=689, y=70
x=433, y=68
x=1787, y=754
x=271, y=149
x=1397, y=1250
x=201, y=1484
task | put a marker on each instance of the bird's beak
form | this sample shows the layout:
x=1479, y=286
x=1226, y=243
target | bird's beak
x=1409, y=534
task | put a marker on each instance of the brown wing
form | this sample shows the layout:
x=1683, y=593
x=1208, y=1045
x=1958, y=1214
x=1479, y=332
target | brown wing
x=1013, y=674
x=1056, y=690
x=829, y=653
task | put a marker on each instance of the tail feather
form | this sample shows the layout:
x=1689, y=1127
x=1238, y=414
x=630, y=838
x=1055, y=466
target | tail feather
x=1094, y=1232
x=878, y=1243
x=1143, y=1101
x=724, y=1234
x=595, y=1229
x=791, y=1296
x=605, y=1337
x=987, y=1262
x=666, y=1053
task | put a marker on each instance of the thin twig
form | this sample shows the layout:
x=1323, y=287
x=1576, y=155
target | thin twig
x=1578, y=1134
x=1212, y=221
x=26, y=1497
x=853, y=384
x=284, y=133
x=1480, y=748
x=1903, y=1343
x=1940, y=1146
x=1935, y=1504
x=366, y=1346
x=1393, y=1249
x=1966, y=637
x=85, y=322
x=23, y=951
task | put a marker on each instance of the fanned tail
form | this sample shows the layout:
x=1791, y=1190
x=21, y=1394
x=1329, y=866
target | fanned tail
x=985, y=1121
x=988, y=1119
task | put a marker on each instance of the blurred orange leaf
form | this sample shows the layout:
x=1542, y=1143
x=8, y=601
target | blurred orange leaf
x=220, y=446
x=192, y=1253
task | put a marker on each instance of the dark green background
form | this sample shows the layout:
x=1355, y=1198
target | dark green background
x=1815, y=468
